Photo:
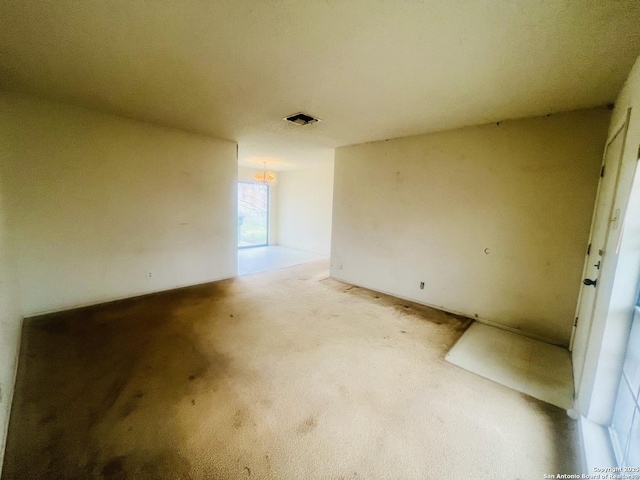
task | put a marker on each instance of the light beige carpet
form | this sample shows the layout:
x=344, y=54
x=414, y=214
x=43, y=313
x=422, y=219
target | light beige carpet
x=281, y=375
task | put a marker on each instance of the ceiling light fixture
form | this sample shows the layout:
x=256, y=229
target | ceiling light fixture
x=264, y=177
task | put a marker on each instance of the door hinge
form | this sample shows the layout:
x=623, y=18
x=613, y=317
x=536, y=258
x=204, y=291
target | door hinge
x=575, y=323
x=602, y=171
x=589, y=249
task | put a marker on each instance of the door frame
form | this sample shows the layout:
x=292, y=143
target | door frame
x=587, y=323
x=585, y=266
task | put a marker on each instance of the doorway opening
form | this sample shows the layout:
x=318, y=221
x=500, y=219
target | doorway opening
x=253, y=215
x=284, y=208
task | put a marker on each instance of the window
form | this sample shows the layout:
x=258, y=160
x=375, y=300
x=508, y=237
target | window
x=253, y=215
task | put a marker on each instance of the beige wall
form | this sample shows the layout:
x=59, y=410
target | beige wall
x=305, y=208
x=10, y=327
x=96, y=202
x=425, y=208
x=619, y=281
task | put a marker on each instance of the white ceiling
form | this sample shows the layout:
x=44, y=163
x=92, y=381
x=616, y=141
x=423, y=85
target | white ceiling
x=370, y=69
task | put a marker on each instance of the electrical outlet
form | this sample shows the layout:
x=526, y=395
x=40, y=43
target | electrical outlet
x=421, y=285
x=149, y=274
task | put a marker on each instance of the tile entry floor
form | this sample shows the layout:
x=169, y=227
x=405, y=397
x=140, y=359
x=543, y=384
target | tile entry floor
x=518, y=362
x=262, y=259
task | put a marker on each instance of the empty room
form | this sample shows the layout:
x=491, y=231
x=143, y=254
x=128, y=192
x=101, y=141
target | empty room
x=292, y=239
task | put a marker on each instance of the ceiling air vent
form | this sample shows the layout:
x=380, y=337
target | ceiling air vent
x=301, y=119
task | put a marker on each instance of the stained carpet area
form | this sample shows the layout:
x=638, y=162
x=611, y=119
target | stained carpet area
x=282, y=375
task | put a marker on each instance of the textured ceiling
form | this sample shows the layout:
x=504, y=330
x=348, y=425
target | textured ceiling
x=369, y=69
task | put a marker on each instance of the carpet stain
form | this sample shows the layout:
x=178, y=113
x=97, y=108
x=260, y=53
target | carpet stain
x=403, y=307
x=307, y=426
x=238, y=419
x=113, y=467
x=47, y=419
x=131, y=404
x=54, y=325
x=112, y=354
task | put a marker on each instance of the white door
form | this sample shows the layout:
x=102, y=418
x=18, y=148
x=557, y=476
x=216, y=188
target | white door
x=604, y=221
